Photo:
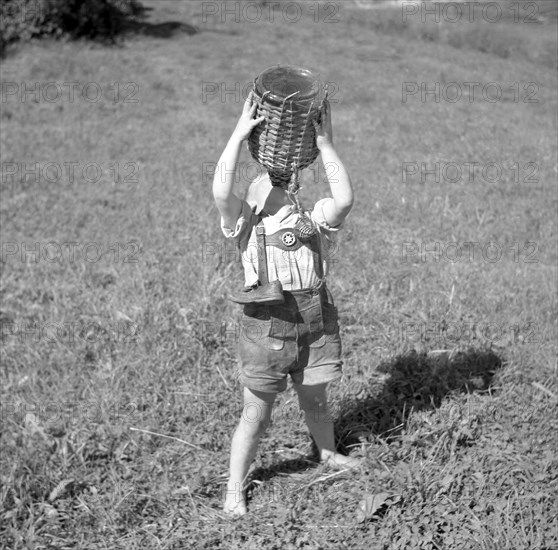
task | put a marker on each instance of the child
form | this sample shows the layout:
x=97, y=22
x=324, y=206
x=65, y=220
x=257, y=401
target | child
x=290, y=331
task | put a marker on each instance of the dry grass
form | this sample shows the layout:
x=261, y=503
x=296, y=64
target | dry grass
x=462, y=440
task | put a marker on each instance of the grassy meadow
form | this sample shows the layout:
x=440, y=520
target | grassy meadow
x=119, y=394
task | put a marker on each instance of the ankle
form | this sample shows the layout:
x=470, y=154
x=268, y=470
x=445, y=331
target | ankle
x=235, y=485
x=339, y=461
x=326, y=454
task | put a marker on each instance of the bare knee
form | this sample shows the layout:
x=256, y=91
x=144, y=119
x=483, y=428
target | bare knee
x=253, y=426
x=256, y=413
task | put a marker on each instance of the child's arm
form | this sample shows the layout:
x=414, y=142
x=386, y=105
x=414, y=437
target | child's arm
x=339, y=182
x=227, y=202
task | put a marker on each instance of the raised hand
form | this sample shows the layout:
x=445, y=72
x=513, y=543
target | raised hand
x=247, y=122
x=324, y=129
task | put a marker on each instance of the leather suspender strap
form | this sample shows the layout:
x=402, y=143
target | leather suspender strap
x=317, y=252
x=262, y=253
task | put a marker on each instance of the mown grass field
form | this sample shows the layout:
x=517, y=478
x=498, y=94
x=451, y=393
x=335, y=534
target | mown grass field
x=450, y=388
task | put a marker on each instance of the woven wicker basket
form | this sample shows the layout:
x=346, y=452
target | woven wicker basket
x=289, y=98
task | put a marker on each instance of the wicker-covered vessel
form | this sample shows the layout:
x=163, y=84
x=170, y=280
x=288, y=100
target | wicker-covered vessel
x=289, y=98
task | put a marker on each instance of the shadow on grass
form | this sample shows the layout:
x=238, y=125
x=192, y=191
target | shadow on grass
x=290, y=466
x=415, y=382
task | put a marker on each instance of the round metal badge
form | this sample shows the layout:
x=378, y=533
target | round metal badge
x=288, y=238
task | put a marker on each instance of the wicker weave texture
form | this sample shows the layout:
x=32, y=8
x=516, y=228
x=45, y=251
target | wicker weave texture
x=286, y=139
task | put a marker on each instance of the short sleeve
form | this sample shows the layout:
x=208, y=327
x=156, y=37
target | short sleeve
x=318, y=216
x=244, y=223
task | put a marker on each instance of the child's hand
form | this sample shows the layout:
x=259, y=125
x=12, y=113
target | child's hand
x=247, y=122
x=324, y=129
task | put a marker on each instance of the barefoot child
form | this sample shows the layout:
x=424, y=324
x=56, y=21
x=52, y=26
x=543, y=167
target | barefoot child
x=289, y=324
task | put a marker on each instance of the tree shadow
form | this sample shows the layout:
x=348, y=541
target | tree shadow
x=103, y=21
x=415, y=382
x=168, y=29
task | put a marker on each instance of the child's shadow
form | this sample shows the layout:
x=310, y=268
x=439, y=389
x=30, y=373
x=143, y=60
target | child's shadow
x=414, y=382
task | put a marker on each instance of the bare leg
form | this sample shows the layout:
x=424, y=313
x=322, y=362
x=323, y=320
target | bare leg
x=313, y=401
x=253, y=423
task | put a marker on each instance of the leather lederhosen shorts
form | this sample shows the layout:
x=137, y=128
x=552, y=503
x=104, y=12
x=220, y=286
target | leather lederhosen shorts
x=299, y=338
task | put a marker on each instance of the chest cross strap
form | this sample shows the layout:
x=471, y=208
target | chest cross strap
x=313, y=244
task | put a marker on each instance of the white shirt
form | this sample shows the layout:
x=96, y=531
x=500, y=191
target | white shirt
x=295, y=269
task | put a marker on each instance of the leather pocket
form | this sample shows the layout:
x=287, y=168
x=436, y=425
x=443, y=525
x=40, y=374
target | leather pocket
x=312, y=315
x=329, y=326
x=260, y=328
x=330, y=318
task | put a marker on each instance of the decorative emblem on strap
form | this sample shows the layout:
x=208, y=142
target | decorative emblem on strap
x=288, y=238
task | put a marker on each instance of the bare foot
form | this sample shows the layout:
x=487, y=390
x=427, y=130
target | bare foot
x=341, y=462
x=235, y=502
